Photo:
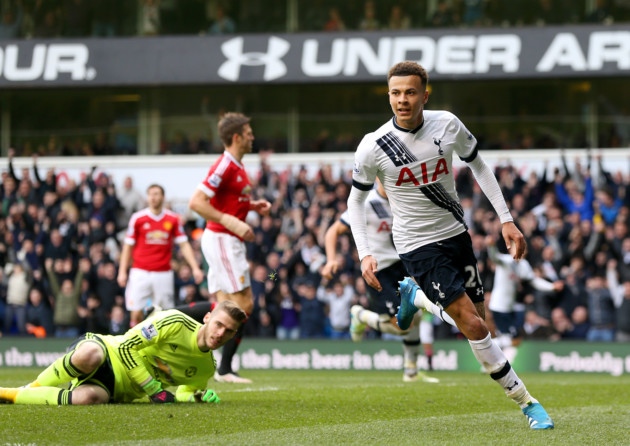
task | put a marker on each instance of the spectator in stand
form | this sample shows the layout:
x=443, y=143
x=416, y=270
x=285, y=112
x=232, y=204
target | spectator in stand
x=101, y=207
x=574, y=328
x=149, y=20
x=47, y=22
x=222, y=23
x=266, y=328
x=339, y=297
x=443, y=16
x=57, y=247
x=95, y=319
x=39, y=315
x=66, y=295
x=601, y=13
x=119, y=321
x=105, y=284
x=149, y=241
x=130, y=199
x=334, y=22
x=9, y=196
x=398, y=19
x=185, y=287
x=572, y=199
x=369, y=22
x=601, y=311
x=19, y=282
x=474, y=12
x=607, y=204
x=289, y=324
x=312, y=314
x=11, y=22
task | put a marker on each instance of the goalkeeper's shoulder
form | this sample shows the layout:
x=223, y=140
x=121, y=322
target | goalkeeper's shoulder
x=167, y=317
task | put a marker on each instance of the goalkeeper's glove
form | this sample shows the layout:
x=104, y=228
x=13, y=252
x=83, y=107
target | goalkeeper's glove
x=207, y=396
x=162, y=397
x=156, y=394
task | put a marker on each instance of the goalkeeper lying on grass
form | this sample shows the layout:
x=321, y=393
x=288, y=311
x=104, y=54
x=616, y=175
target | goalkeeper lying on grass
x=168, y=349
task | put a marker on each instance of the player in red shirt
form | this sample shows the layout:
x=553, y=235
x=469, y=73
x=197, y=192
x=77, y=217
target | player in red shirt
x=223, y=199
x=149, y=241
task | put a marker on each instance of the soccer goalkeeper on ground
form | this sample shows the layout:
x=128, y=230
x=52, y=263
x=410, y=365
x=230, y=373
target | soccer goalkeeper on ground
x=169, y=349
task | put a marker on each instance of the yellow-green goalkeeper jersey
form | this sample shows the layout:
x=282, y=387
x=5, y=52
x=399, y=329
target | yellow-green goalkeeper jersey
x=165, y=348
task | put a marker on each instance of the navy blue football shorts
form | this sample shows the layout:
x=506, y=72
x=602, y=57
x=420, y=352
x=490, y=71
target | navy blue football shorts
x=446, y=269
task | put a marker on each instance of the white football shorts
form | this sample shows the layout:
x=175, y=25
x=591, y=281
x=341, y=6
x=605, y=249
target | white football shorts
x=227, y=260
x=149, y=288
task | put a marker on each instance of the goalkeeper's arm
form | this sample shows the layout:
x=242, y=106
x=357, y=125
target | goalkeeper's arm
x=187, y=394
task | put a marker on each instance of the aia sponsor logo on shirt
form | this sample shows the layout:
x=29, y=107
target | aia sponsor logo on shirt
x=422, y=173
x=384, y=227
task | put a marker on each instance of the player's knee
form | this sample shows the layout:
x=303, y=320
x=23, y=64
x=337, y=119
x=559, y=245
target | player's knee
x=88, y=356
x=88, y=395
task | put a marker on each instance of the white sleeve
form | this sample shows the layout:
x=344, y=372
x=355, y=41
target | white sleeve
x=498, y=258
x=358, y=222
x=541, y=284
x=490, y=187
x=363, y=177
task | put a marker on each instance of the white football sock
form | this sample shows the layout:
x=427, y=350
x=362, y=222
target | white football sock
x=491, y=357
x=422, y=301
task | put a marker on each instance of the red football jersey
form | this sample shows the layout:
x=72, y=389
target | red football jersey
x=229, y=189
x=152, y=237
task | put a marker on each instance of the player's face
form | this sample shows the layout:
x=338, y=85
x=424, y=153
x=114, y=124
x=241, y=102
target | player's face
x=247, y=139
x=407, y=97
x=155, y=198
x=218, y=329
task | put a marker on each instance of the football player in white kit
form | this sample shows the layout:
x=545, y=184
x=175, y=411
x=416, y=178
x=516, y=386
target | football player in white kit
x=412, y=155
x=507, y=313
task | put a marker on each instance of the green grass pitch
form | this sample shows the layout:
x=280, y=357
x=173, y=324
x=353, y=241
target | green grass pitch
x=335, y=408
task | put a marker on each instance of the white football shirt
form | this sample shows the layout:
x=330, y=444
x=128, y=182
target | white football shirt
x=508, y=275
x=415, y=167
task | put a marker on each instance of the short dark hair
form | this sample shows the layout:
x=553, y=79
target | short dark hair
x=233, y=310
x=157, y=186
x=231, y=124
x=409, y=68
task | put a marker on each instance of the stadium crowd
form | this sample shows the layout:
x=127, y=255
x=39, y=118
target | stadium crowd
x=60, y=244
x=113, y=18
